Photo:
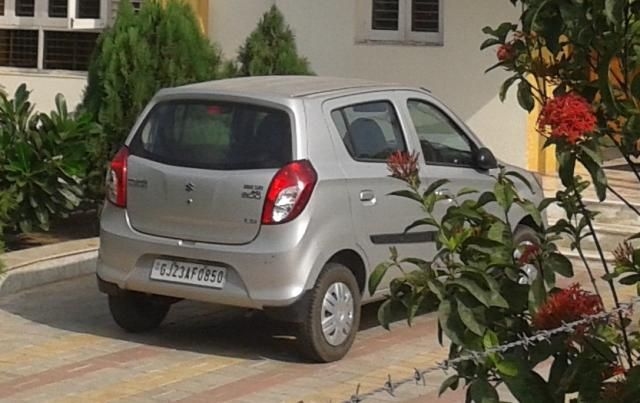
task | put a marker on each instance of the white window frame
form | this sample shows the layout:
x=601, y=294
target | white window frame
x=86, y=23
x=403, y=35
x=42, y=22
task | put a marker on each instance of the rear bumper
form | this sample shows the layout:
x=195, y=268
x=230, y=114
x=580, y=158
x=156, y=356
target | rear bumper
x=272, y=270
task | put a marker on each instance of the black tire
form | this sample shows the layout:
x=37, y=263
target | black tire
x=136, y=312
x=524, y=233
x=312, y=342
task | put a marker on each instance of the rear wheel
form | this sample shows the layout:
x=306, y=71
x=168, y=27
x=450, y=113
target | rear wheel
x=136, y=312
x=332, y=315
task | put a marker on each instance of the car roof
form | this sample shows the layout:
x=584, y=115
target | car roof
x=283, y=87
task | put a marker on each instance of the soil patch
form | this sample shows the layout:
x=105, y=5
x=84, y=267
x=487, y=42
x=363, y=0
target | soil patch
x=77, y=226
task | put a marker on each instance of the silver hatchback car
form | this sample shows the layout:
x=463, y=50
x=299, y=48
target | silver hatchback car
x=271, y=193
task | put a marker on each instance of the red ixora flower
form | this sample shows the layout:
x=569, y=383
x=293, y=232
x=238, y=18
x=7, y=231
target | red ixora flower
x=569, y=117
x=565, y=306
x=505, y=52
x=403, y=165
x=528, y=253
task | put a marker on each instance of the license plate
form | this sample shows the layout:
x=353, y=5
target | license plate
x=188, y=273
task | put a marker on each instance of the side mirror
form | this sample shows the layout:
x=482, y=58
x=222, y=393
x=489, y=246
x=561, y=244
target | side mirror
x=485, y=160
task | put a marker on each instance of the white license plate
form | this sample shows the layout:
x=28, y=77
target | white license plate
x=188, y=273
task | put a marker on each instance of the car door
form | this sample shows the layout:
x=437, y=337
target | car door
x=366, y=130
x=448, y=148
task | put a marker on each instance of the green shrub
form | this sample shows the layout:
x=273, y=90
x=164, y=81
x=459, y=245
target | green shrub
x=6, y=201
x=43, y=159
x=161, y=46
x=271, y=49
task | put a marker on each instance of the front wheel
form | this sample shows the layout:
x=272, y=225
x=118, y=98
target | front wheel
x=332, y=315
x=136, y=312
x=526, y=239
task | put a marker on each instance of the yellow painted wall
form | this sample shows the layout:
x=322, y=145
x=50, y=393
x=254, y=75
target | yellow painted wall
x=201, y=9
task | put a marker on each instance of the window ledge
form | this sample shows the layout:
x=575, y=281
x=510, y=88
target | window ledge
x=380, y=42
x=26, y=72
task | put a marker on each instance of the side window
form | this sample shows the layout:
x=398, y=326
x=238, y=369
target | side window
x=370, y=131
x=441, y=140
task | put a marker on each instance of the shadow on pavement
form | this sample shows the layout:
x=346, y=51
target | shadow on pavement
x=77, y=306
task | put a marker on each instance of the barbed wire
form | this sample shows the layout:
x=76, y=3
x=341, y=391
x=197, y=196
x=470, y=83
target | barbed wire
x=524, y=341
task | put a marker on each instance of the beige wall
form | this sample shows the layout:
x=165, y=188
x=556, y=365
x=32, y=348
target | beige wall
x=45, y=86
x=326, y=31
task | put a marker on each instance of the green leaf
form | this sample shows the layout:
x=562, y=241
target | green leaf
x=532, y=211
x=504, y=88
x=489, y=42
x=450, y=322
x=613, y=10
x=474, y=289
x=504, y=195
x=466, y=191
x=598, y=176
x=506, y=367
x=556, y=374
x=436, y=287
x=385, y=314
x=407, y=194
x=449, y=383
x=559, y=264
x=545, y=203
x=486, y=198
x=566, y=167
x=525, y=98
x=630, y=279
x=377, y=276
x=537, y=294
x=635, y=85
x=481, y=391
x=469, y=319
x=490, y=340
x=528, y=386
x=428, y=221
x=522, y=179
x=632, y=385
x=435, y=186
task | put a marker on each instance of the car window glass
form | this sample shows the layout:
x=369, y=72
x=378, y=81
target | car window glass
x=370, y=131
x=441, y=140
x=215, y=135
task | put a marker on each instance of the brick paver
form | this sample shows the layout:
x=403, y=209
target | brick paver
x=58, y=343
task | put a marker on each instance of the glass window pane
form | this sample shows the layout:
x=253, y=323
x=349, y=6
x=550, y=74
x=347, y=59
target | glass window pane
x=385, y=14
x=88, y=9
x=24, y=8
x=214, y=135
x=58, y=8
x=370, y=131
x=425, y=15
x=68, y=50
x=441, y=140
x=18, y=48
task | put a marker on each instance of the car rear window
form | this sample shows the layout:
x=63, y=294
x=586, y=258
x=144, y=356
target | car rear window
x=215, y=135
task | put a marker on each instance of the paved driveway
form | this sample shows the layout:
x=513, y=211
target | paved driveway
x=58, y=343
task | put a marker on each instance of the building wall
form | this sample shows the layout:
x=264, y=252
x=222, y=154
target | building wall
x=326, y=34
x=45, y=86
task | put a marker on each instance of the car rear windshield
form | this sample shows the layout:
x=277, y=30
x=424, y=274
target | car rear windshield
x=215, y=135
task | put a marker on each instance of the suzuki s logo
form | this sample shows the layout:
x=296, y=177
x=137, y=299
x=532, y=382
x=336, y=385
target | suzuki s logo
x=189, y=187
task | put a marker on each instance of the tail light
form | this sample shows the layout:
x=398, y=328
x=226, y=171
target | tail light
x=117, y=178
x=289, y=192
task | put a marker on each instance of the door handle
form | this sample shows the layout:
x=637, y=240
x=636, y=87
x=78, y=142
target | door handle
x=367, y=196
x=445, y=194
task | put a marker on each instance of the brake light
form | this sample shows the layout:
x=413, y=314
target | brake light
x=289, y=192
x=117, y=178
